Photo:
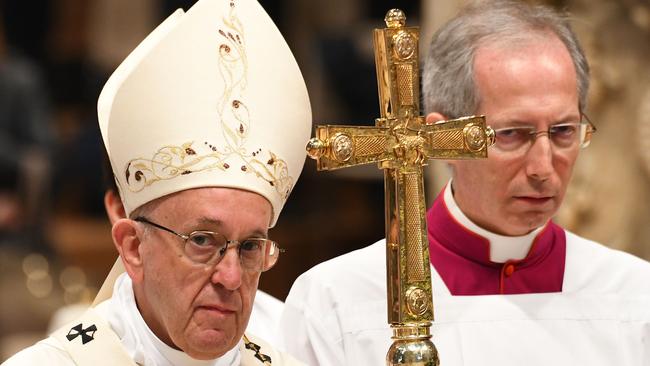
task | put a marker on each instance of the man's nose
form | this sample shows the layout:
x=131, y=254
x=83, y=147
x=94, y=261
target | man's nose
x=228, y=272
x=539, y=158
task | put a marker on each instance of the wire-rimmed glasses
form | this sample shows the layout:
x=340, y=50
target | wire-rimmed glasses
x=209, y=247
x=561, y=135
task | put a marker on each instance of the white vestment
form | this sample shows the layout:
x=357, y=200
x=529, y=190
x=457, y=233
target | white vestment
x=336, y=314
x=139, y=343
x=265, y=318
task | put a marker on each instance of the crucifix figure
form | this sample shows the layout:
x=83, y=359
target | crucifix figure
x=400, y=143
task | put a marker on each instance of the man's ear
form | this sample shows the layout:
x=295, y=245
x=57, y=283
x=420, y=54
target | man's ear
x=434, y=117
x=126, y=236
x=113, y=206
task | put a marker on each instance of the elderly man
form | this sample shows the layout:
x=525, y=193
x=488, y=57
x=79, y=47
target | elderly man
x=266, y=311
x=510, y=286
x=205, y=124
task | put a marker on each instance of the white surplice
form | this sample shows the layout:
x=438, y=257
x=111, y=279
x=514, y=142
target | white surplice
x=336, y=314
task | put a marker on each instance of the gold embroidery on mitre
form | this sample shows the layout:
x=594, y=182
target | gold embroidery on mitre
x=234, y=117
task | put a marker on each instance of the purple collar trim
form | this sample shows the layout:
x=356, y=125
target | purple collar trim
x=462, y=259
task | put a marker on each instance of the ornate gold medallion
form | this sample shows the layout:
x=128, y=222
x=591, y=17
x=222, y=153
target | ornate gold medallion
x=405, y=45
x=474, y=137
x=342, y=147
x=416, y=301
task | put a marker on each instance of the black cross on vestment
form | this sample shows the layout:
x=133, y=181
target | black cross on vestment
x=85, y=337
x=256, y=348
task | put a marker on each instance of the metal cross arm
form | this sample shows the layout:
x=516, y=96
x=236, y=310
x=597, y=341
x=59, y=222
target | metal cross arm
x=336, y=147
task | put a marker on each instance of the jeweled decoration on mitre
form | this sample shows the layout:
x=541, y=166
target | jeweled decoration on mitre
x=172, y=161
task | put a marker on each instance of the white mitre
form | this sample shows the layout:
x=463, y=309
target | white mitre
x=211, y=98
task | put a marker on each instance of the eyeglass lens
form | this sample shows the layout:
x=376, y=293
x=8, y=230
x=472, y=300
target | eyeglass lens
x=563, y=136
x=208, y=247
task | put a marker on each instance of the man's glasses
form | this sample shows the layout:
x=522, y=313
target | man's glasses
x=209, y=247
x=562, y=136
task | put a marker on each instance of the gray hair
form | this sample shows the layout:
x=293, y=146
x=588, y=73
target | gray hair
x=448, y=78
x=145, y=210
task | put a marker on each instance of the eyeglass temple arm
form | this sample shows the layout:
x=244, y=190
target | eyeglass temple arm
x=144, y=220
x=274, y=247
x=591, y=124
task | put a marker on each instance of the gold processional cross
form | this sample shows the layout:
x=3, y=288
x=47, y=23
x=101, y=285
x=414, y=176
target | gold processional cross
x=401, y=142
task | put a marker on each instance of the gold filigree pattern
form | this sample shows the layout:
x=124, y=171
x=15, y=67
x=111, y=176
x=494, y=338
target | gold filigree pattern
x=234, y=121
x=170, y=162
x=369, y=145
x=446, y=139
x=405, y=83
x=415, y=270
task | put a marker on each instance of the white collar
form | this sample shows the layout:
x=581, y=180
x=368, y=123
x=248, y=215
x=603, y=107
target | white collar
x=502, y=248
x=141, y=343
